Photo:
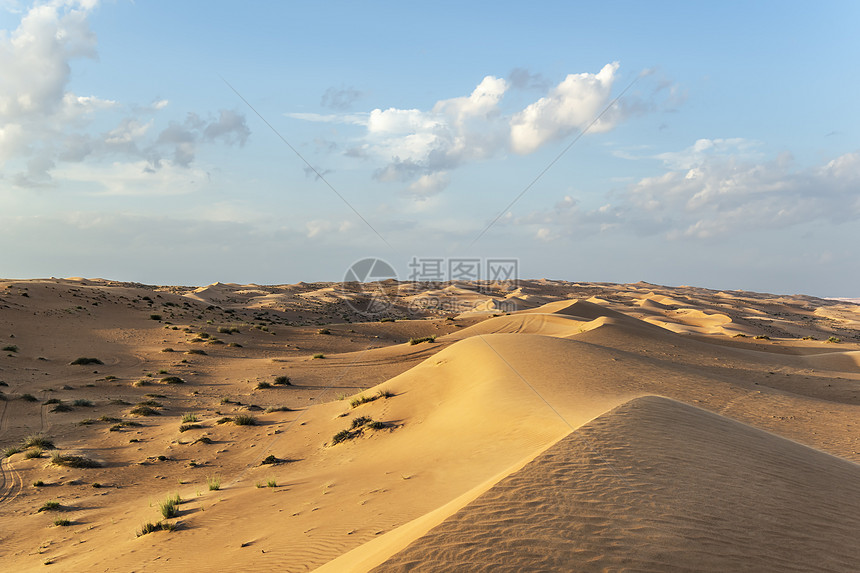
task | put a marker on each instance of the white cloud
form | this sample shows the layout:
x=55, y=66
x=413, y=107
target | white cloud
x=570, y=106
x=422, y=147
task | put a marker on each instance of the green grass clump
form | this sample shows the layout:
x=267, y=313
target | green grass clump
x=385, y=394
x=172, y=380
x=37, y=440
x=270, y=459
x=73, y=461
x=10, y=348
x=51, y=506
x=245, y=420
x=214, y=483
x=834, y=340
x=342, y=436
x=84, y=361
x=271, y=482
x=11, y=451
x=189, y=418
x=35, y=453
x=414, y=341
x=360, y=421
x=153, y=527
x=170, y=507
x=282, y=381
x=62, y=522
x=271, y=409
x=362, y=399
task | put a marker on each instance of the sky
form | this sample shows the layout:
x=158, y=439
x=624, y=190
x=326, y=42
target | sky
x=679, y=143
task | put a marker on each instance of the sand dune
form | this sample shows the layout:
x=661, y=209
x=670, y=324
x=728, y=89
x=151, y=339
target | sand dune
x=584, y=429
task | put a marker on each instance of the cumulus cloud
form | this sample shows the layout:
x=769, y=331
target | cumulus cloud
x=569, y=106
x=420, y=147
x=44, y=125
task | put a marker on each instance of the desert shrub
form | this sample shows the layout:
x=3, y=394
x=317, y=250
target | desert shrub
x=263, y=385
x=38, y=441
x=159, y=526
x=84, y=361
x=282, y=381
x=11, y=451
x=51, y=506
x=62, y=522
x=808, y=338
x=38, y=483
x=740, y=335
x=270, y=459
x=51, y=401
x=360, y=421
x=245, y=420
x=384, y=394
x=271, y=482
x=362, y=399
x=28, y=398
x=235, y=345
x=73, y=461
x=197, y=351
x=214, y=483
x=223, y=420
x=189, y=418
x=376, y=425
x=154, y=317
x=35, y=453
x=167, y=350
x=10, y=348
x=81, y=403
x=144, y=411
x=386, y=320
x=61, y=408
x=172, y=380
x=834, y=340
x=203, y=335
x=271, y=409
x=186, y=427
x=319, y=356
x=341, y=436
x=170, y=507
x=323, y=331
x=762, y=337
x=414, y=341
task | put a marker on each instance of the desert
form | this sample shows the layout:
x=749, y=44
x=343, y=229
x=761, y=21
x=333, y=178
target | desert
x=595, y=427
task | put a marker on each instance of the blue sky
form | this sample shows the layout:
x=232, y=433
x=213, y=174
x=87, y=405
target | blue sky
x=731, y=162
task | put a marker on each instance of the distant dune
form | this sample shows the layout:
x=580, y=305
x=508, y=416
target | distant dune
x=547, y=426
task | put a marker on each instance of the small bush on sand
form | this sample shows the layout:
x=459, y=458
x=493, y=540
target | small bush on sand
x=197, y=351
x=51, y=506
x=11, y=451
x=834, y=340
x=186, y=427
x=189, y=418
x=36, y=453
x=214, y=483
x=414, y=341
x=62, y=522
x=323, y=331
x=81, y=403
x=319, y=356
x=341, y=436
x=170, y=507
x=73, y=461
x=144, y=411
x=154, y=317
x=37, y=440
x=282, y=381
x=10, y=348
x=245, y=420
x=84, y=361
x=29, y=398
x=762, y=337
x=172, y=380
x=270, y=459
x=263, y=385
x=153, y=527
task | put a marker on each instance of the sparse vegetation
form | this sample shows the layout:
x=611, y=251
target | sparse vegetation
x=170, y=507
x=189, y=418
x=809, y=338
x=10, y=348
x=360, y=421
x=28, y=398
x=414, y=341
x=263, y=385
x=38, y=483
x=62, y=522
x=172, y=380
x=762, y=337
x=271, y=482
x=323, y=331
x=167, y=350
x=159, y=526
x=51, y=506
x=282, y=381
x=60, y=407
x=319, y=356
x=245, y=420
x=223, y=420
x=35, y=453
x=142, y=410
x=341, y=436
x=834, y=340
x=385, y=393
x=11, y=451
x=270, y=459
x=271, y=409
x=81, y=403
x=38, y=441
x=362, y=399
x=73, y=461
x=197, y=351
x=186, y=427
x=154, y=317
x=740, y=335
x=85, y=361
x=377, y=425
x=214, y=483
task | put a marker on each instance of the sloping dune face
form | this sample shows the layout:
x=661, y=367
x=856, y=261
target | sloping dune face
x=657, y=485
